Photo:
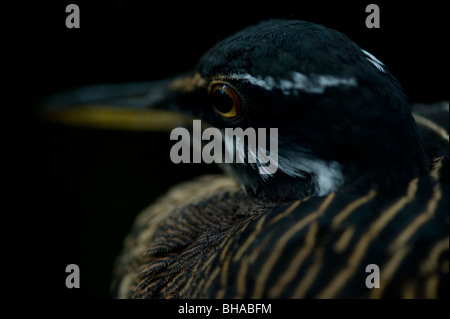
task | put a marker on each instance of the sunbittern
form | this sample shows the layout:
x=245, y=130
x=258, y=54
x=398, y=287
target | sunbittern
x=360, y=179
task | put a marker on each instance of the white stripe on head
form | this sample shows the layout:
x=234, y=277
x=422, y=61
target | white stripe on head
x=314, y=83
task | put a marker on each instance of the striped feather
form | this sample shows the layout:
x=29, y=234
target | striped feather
x=207, y=239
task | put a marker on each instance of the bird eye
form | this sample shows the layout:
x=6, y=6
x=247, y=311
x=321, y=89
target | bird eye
x=224, y=99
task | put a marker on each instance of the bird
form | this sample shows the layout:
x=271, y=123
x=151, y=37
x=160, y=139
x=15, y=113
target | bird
x=361, y=180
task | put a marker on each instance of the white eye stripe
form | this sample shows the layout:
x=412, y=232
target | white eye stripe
x=314, y=83
x=372, y=59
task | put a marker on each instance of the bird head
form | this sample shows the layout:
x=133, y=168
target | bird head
x=342, y=119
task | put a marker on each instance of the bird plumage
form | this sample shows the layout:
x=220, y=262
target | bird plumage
x=208, y=239
x=333, y=108
x=356, y=183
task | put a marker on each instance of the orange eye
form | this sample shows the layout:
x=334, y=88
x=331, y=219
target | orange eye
x=224, y=99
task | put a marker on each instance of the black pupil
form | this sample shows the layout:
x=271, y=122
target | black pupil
x=222, y=100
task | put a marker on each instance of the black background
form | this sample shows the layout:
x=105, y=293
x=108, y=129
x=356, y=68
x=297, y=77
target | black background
x=87, y=185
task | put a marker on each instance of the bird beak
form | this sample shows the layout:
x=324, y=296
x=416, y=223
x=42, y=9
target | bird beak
x=140, y=106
